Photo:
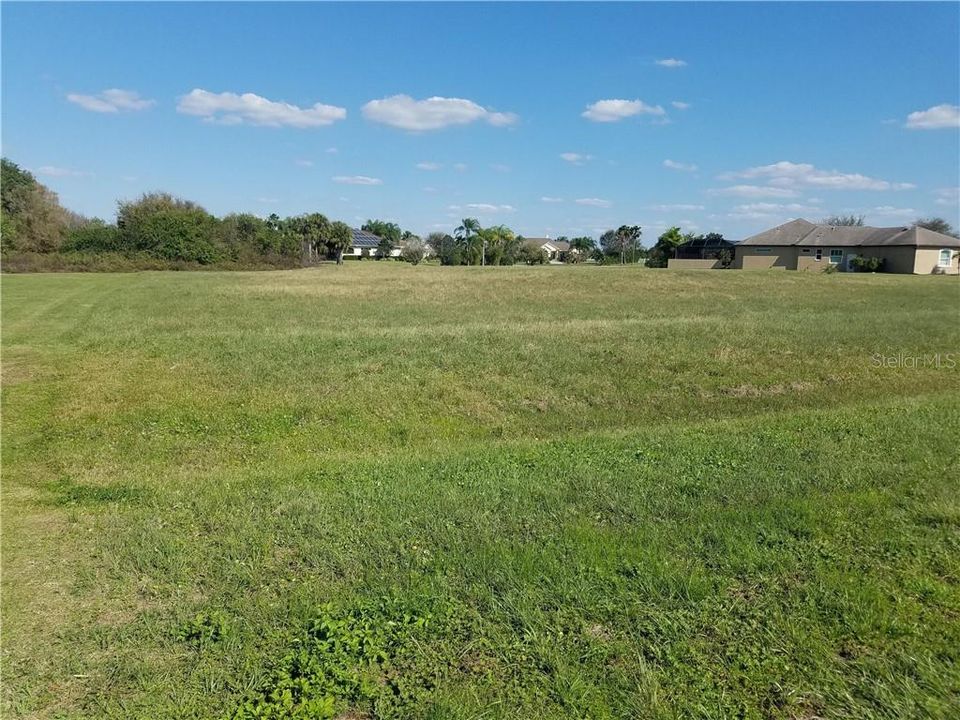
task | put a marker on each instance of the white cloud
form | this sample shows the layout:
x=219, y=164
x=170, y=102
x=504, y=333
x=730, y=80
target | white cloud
x=576, y=158
x=787, y=174
x=402, y=111
x=939, y=116
x=594, y=202
x=548, y=199
x=460, y=167
x=428, y=166
x=232, y=109
x=775, y=208
x=357, y=180
x=672, y=63
x=52, y=171
x=616, y=110
x=680, y=105
x=430, y=189
x=890, y=211
x=754, y=191
x=683, y=167
x=677, y=207
x=487, y=207
x=948, y=196
x=112, y=101
x=304, y=163
x=331, y=151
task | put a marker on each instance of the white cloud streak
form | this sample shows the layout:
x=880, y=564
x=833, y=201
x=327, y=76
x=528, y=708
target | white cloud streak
x=430, y=166
x=113, y=100
x=594, y=202
x=576, y=158
x=53, y=171
x=616, y=110
x=935, y=118
x=754, y=191
x=488, y=207
x=672, y=63
x=682, y=167
x=435, y=113
x=548, y=199
x=229, y=108
x=785, y=174
x=357, y=180
x=677, y=207
x=948, y=196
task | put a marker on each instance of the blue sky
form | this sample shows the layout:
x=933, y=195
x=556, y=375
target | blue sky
x=555, y=119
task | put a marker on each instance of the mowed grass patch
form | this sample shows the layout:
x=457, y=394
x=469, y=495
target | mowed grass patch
x=432, y=492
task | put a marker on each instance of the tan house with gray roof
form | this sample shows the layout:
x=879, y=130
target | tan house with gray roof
x=555, y=249
x=802, y=245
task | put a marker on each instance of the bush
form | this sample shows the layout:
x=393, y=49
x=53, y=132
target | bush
x=868, y=264
x=93, y=237
x=169, y=228
x=532, y=255
x=414, y=251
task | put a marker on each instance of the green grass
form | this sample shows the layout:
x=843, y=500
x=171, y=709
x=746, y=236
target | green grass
x=388, y=491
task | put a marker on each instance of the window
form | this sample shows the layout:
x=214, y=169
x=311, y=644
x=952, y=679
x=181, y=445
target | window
x=836, y=256
x=945, y=257
x=805, y=250
x=819, y=254
x=763, y=250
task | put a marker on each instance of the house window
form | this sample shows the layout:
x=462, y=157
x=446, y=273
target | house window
x=805, y=250
x=945, y=257
x=836, y=256
x=763, y=250
x=819, y=254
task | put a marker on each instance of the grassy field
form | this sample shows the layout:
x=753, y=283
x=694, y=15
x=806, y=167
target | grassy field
x=562, y=492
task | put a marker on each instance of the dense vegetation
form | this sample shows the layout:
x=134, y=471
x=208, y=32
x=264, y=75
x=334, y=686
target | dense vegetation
x=155, y=231
x=393, y=492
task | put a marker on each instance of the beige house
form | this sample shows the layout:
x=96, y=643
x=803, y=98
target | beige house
x=555, y=249
x=802, y=245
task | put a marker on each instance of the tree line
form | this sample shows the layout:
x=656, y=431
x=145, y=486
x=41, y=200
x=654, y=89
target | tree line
x=161, y=227
x=168, y=231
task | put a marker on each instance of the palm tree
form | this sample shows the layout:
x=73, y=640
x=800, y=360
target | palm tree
x=468, y=227
x=468, y=231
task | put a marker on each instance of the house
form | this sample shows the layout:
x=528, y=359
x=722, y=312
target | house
x=802, y=245
x=366, y=241
x=705, y=252
x=556, y=250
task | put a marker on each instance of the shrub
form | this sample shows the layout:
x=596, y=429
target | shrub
x=414, y=251
x=93, y=237
x=169, y=228
x=532, y=255
x=868, y=264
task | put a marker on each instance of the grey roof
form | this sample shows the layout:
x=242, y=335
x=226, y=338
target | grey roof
x=561, y=245
x=364, y=239
x=806, y=234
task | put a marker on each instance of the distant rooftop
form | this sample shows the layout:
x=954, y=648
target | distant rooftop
x=807, y=234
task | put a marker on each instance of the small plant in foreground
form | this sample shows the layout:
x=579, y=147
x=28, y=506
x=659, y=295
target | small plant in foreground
x=203, y=629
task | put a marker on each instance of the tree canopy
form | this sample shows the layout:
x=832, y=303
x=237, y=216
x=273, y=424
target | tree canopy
x=937, y=224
